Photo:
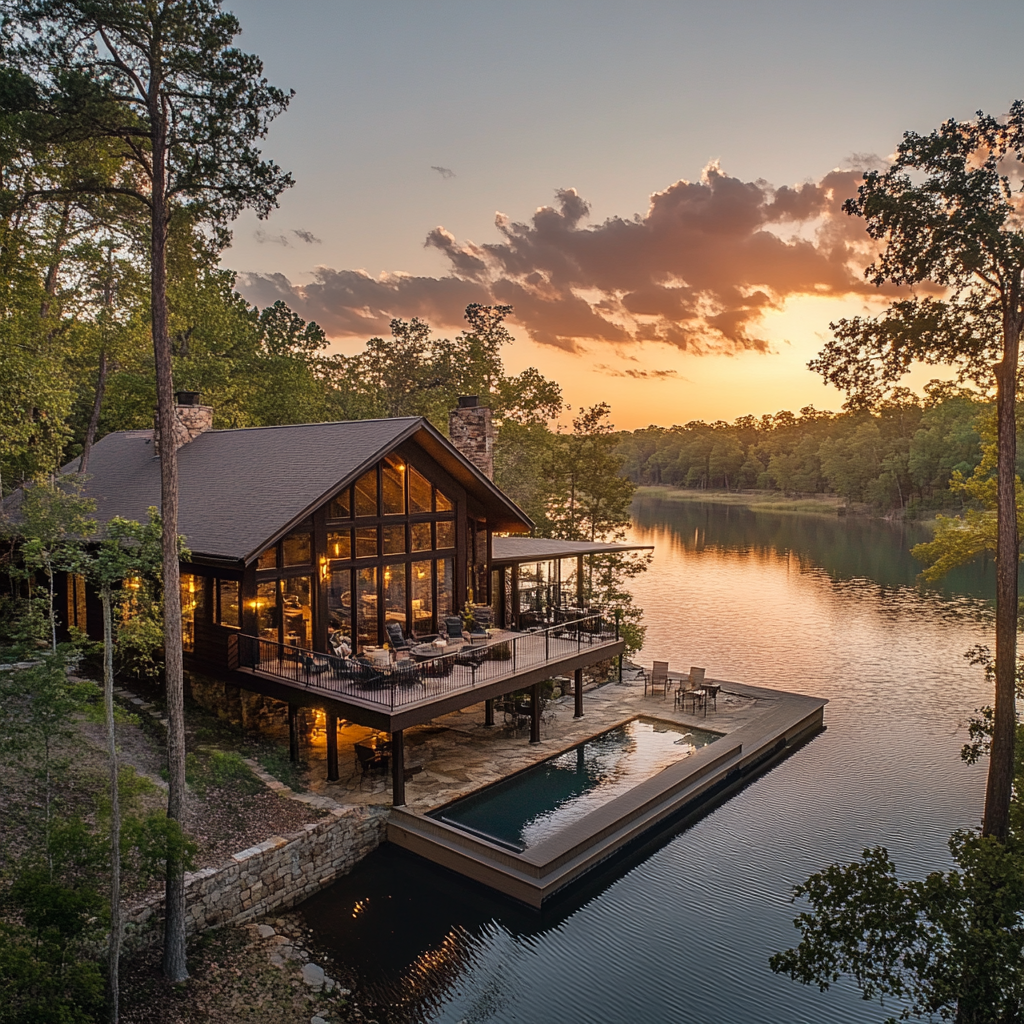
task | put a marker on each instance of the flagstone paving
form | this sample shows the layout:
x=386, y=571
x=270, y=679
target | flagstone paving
x=459, y=754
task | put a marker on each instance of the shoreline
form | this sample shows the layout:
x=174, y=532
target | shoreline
x=827, y=505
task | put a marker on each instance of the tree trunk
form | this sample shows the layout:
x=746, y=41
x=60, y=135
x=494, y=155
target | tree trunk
x=174, y=962
x=116, y=925
x=94, y=419
x=1000, y=772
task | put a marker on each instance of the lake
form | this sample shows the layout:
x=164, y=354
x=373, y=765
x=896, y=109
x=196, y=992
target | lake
x=681, y=931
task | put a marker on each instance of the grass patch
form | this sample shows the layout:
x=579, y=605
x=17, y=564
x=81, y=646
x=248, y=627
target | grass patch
x=220, y=769
x=275, y=761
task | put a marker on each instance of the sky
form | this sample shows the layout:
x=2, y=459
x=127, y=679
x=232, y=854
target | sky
x=654, y=187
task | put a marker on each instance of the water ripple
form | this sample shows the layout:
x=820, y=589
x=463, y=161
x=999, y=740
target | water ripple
x=681, y=933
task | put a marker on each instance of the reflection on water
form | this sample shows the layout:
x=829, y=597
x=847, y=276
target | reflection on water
x=682, y=932
x=846, y=548
x=535, y=804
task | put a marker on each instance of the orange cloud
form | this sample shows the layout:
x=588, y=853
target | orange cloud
x=697, y=271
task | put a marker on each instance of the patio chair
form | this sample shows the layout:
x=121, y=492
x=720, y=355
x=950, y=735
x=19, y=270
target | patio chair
x=692, y=688
x=370, y=761
x=353, y=670
x=396, y=638
x=313, y=666
x=453, y=627
x=659, y=677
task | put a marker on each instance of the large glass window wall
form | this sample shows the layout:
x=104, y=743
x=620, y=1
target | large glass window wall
x=410, y=578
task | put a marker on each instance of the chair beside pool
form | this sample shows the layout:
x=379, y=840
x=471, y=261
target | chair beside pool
x=659, y=677
x=692, y=688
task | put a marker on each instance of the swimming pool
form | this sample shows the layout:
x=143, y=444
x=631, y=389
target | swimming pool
x=521, y=811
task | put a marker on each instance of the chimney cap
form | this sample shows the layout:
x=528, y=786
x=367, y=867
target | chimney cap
x=186, y=397
x=468, y=401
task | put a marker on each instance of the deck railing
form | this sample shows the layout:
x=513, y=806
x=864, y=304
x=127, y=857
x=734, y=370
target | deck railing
x=409, y=681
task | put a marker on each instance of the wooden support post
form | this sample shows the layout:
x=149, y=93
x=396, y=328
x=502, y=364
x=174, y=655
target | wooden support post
x=577, y=689
x=332, y=747
x=579, y=582
x=398, y=768
x=535, y=713
x=293, y=733
x=488, y=712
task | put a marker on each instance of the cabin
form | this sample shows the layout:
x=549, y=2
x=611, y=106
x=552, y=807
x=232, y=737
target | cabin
x=328, y=565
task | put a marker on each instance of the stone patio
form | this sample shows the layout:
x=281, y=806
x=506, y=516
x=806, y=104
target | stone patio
x=459, y=754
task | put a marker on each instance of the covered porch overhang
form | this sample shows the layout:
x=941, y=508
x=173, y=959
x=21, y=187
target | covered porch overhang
x=533, y=587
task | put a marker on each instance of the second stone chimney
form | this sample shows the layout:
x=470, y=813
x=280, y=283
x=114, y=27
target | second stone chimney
x=190, y=419
x=470, y=429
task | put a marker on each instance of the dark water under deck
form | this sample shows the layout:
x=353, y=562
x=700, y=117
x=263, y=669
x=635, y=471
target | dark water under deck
x=682, y=931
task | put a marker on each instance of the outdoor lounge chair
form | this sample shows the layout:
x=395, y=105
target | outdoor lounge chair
x=659, y=677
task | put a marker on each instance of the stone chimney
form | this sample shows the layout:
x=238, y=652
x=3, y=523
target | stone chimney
x=471, y=432
x=190, y=419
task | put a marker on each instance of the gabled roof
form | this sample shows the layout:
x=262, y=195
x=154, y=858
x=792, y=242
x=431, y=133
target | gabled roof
x=239, y=490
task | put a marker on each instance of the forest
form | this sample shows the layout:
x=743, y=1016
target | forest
x=897, y=457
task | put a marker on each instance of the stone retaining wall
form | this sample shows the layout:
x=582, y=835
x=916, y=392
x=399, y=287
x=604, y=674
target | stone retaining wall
x=276, y=874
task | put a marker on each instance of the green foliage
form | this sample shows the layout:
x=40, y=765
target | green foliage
x=960, y=539
x=220, y=769
x=140, y=644
x=952, y=944
x=51, y=915
x=901, y=455
x=573, y=487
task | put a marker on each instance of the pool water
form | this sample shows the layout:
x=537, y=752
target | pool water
x=521, y=811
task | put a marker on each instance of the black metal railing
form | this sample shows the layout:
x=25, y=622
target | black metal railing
x=410, y=680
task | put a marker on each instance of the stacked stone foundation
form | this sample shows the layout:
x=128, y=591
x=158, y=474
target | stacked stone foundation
x=276, y=874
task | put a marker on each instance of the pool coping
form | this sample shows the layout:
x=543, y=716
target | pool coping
x=540, y=871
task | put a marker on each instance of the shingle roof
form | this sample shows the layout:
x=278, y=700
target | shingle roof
x=240, y=489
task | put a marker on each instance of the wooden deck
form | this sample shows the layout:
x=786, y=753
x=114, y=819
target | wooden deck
x=411, y=693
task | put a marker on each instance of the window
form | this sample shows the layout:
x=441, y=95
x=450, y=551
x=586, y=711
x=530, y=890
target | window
x=76, y=601
x=422, y=593
x=268, y=560
x=394, y=594
x=267, y=618
x=445, y=587
x=394, y=540
x=392, y=486
x=297, y=611
x=192, y=606
x=297, y=549
x=366, y=606
x=419, y=492
x=366, y=542
x=443, y=503
x=341, y=506
x=446, y=534
x=366, y=494
x=339, y=603
x=421, y=540
x=339, y=544
x=228, y=602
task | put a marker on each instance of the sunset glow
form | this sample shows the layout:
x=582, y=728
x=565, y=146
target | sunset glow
x=675, y=250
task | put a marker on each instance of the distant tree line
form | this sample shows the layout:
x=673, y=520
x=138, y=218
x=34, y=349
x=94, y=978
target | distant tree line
x=900, y=455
